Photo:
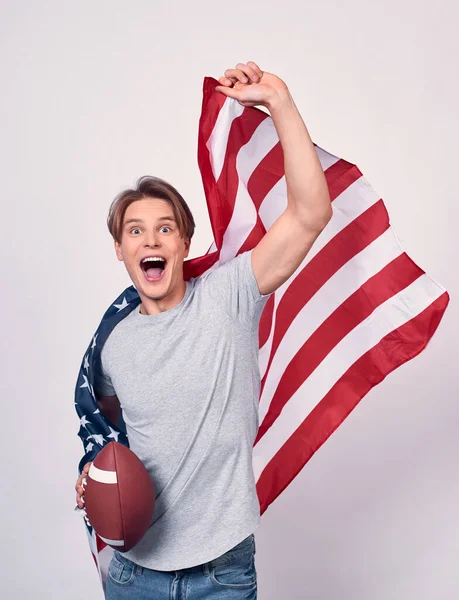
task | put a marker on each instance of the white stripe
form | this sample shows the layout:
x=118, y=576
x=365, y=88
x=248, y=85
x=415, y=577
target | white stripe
x=274, y=203
x=265, y=350
x=218, y=139
x=92, y=541
x=112, y=542
x=104, y=558
x=102, y=476
x=327, y=299
x=93, y=546
x=388, y=316
x=326, y=159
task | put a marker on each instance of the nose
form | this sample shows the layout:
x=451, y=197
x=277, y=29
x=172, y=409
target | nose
x=152, y=240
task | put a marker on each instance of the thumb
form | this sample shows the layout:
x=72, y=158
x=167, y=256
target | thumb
x=230, y=92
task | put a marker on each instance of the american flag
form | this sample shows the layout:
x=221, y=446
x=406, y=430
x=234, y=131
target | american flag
x=356, y=308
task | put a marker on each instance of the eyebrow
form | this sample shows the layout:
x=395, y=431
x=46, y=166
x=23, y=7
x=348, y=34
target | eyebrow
x=136, y=220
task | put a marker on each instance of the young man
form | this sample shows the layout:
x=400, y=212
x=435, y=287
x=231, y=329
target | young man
x=184, y=367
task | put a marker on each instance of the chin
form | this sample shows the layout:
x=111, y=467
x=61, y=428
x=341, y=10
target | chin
x=149, y=291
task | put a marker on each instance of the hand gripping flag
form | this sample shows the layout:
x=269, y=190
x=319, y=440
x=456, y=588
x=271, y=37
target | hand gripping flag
x=356, y=308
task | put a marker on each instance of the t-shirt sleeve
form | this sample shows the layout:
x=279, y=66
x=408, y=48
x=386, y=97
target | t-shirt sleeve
x=235, y=287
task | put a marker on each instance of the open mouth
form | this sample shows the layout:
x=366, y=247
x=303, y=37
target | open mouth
x=153, y=267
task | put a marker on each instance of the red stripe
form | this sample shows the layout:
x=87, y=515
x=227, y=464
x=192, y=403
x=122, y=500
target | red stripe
x=393, y=278
x=266, y=175
x=100, y=544
x=340, y=176
x=211, y=104
x=340, y=249
x=264, y=327
x=396, y=348
x=197, y=266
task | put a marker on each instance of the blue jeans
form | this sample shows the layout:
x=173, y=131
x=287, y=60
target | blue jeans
x=231, y=576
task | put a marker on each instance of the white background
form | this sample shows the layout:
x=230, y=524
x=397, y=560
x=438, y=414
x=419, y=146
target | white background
x=96, y=94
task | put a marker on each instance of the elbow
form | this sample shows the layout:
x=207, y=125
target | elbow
x=321, y=219
x=327, y=215
x=316, y=218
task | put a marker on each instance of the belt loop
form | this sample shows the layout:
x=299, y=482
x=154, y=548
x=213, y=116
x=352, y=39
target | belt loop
x=205, y=568
x=138, y=569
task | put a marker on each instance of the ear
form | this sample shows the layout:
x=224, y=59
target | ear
x=118, y=250
x=187, y=246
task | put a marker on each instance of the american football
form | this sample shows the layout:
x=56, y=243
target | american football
x=119, y=497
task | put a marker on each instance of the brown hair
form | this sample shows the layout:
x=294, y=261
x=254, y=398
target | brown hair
x=150, y=187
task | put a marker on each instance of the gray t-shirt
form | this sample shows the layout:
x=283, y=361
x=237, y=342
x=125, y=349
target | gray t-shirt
x=188, y=382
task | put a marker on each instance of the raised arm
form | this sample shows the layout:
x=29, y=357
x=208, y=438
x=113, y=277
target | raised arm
x=285, y=245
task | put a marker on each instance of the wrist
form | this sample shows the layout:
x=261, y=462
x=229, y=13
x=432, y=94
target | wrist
x=280, y=100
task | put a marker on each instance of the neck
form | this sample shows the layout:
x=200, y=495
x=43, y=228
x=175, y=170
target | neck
x=155, y=306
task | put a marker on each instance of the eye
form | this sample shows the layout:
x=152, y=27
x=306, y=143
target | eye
x=135, y=229
x=165, y=227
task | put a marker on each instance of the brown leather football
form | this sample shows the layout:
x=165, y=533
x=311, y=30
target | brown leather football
x=119, y=497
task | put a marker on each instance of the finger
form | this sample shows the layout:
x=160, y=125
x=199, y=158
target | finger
x=81, y=483
x=236, y=74
x=84, y=472
x=80, y=499
x=256, y=68
x=225, y=81
x=248, y=70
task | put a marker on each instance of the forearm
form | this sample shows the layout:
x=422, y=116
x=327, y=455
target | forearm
x=307, y=189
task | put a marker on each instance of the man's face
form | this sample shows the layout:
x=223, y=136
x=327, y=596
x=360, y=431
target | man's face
x=149, y=231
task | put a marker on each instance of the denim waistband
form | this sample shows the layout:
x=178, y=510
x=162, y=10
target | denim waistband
x=247, y=546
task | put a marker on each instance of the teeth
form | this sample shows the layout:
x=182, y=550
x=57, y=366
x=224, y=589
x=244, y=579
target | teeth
x=153, y=258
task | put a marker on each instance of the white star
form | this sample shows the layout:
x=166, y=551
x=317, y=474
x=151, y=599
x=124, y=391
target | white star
x=91, y=389
x=89, y=447
x=114, y=434
x=86, y=382
x=86, y=362
x=84, y=420
x=94, y=341
x=96, y=411
x=122, y=305
x=98, y=438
